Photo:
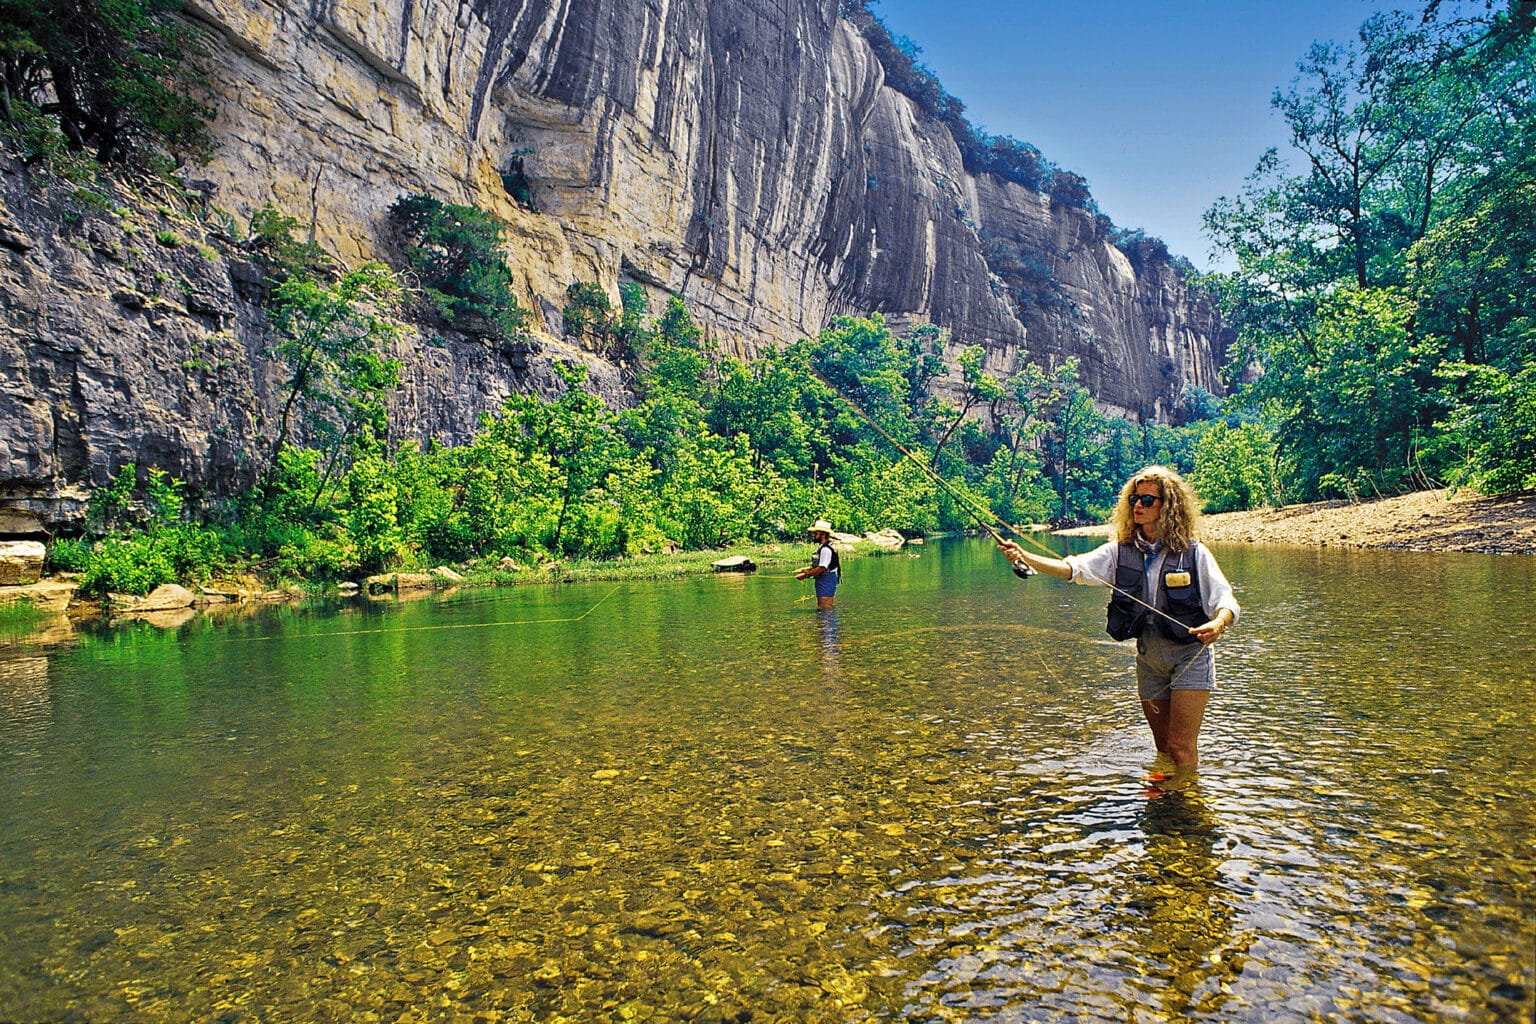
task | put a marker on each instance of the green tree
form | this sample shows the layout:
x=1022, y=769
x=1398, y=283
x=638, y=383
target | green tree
x=274, y=244
x=161, y=546
x=1401, y=248
x=331, y=339
x=571, y=467
x=981, y=388
x=1075, y=435
x=112, y=78
x=373, y=510
x=674, y=359
x=1236, y=467
x=1013, y=478
x=1352, y=403
x=454, y=253
x=1494, y=429
x=773, y=401
x=589, y=317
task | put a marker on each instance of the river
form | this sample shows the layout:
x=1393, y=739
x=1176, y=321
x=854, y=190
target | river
x=706, y=801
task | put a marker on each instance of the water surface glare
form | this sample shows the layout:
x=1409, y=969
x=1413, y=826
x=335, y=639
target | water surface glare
x=705, y=800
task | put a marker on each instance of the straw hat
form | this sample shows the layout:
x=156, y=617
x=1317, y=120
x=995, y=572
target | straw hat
x=821, y=526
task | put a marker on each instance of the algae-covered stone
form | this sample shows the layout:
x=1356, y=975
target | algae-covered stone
x=735, y=563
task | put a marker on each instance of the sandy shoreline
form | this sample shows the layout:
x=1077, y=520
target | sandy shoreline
x=1422, y=521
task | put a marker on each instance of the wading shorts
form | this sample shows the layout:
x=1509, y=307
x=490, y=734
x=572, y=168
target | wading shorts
x=826, y=584
x=1163, y=666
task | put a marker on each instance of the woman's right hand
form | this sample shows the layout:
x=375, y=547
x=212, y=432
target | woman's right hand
x=1011, y=551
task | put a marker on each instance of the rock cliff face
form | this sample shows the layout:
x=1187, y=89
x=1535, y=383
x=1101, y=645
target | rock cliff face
x=744, y=154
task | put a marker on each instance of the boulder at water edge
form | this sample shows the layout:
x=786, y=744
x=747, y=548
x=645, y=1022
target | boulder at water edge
x=21, y=562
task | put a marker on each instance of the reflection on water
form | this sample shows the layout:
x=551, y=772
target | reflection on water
x=706, y=801
x=829, y=642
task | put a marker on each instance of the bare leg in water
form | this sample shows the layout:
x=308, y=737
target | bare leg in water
x=1176, y=731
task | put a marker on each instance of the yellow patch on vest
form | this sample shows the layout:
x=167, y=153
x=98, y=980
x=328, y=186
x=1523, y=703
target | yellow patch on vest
x=1176, y=579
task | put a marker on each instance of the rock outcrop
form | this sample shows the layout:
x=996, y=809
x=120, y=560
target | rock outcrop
x=21, y=562
x=747, y=155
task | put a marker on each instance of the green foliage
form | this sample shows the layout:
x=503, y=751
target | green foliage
x=673, y=355
x=109, y=506
x=1385, y=289
x=273, y=243
x=1196, y=403
x=1236, y=468
x=1031, y=281
x=164, y=548
x=330, y=339
x=1142, y=249
x=68, y=554
x=980, y=388
x=712, y=454
x=113, y=80
x=591, y=320
x=372, y=513
x=1349, y=393
x=455, y=254
x=1494, y=430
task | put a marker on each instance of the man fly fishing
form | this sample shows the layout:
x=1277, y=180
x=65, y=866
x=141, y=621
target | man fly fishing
x=825, y=568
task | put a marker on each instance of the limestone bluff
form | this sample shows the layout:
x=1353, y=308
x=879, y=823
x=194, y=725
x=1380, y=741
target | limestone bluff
x=747, y=155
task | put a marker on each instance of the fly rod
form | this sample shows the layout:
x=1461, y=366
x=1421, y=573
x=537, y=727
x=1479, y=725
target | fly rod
x=984, y=521
x=970, y=504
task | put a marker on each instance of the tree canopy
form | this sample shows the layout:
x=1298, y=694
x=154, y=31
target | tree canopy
x=1384, y=287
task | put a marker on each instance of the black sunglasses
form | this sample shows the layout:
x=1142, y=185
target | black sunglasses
x=1144, y=500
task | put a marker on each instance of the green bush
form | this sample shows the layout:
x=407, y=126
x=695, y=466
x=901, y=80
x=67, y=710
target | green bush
x=1494, y=428
x=68, y=554
x=1236, y=468
x=273, y=243
x=455, y=253
x=112, y=80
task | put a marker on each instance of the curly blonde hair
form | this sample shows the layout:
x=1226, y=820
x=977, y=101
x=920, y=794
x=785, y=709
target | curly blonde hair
x=1179, y=515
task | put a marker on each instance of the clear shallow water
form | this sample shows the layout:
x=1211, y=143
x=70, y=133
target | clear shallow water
x=704, y=800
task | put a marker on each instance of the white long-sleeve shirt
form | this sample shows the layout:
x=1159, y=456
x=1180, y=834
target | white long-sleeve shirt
x=1097, y=568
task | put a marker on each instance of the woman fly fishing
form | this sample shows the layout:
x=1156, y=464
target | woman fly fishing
x=1168, y=593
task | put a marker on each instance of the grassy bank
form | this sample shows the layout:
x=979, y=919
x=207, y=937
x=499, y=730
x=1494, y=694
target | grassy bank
x=19, y=618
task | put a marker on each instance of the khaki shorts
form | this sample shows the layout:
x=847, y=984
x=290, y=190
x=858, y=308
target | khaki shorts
x=1163, y=666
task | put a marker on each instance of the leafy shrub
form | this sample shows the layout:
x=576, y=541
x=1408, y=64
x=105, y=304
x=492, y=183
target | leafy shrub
x=273, y=243
x=1236, y=468
x=372, y=515
x=1495, y=428
x=589, y=315
x=111, y=79
x=455, y=253
x=68, y=554
x=331, y=339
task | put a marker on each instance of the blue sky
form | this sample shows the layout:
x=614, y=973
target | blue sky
x=1163, y=106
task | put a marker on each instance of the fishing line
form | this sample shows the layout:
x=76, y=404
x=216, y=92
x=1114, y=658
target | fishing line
x=971, y=506
x=424, y=629
x=986, y=524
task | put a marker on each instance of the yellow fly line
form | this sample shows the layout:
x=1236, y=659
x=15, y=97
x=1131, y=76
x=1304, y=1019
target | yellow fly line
x=972, y=506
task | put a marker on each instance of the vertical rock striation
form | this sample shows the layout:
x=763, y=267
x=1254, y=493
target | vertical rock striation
x=747, y=155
